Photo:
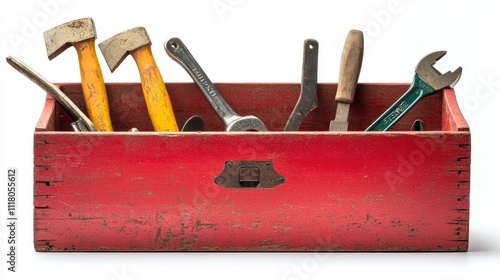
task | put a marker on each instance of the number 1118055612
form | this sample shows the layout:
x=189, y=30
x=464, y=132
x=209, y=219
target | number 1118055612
x=11, y=218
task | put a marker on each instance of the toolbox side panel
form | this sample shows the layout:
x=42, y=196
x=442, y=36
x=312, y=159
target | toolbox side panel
x=342, y=192
x=453, y=120
x=48, y=118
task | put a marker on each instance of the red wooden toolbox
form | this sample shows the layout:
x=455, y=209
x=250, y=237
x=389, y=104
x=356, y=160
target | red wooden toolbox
x=311, y=190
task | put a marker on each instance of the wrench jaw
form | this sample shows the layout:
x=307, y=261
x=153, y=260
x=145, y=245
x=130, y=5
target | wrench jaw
x=246, y=123
x=432, y=76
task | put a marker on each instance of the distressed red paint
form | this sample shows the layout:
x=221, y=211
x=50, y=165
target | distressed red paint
x=343, y=191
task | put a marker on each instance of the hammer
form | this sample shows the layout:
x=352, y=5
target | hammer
x=136, y=42
x=81, y=34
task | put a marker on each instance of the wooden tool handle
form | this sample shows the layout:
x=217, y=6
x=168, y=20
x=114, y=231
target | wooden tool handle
x=94, y=90
x=155, y=92
x=350, y=66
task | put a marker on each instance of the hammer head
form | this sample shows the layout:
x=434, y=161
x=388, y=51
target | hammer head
x=116, y=48
x=432, y=76
x=59, y=38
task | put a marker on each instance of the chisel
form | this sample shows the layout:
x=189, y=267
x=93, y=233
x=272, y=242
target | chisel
x=350, y=67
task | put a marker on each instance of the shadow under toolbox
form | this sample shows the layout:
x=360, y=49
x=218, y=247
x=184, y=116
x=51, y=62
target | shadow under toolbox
x=311, y=190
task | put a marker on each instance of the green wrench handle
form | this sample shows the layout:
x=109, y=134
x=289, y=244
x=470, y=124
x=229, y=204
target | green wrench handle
x=418, y=90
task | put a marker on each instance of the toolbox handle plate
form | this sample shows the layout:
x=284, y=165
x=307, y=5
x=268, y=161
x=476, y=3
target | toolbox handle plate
x=249, y=174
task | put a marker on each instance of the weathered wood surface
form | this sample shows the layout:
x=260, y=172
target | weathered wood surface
x=347, y=191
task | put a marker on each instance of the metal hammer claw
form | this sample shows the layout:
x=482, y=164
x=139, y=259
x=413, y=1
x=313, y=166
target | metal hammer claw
x=427, y=80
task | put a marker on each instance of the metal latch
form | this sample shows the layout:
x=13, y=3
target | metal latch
x=249, y=174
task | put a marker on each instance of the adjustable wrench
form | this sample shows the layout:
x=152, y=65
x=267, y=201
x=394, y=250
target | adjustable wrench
x=427, y=80
x=178, y=52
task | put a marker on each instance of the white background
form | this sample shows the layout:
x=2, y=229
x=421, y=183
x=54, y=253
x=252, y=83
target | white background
x=261, y=41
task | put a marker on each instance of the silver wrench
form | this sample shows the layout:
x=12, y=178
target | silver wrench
x=234, y=122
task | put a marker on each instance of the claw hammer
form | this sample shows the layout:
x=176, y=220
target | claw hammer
x=136, y=42
x=81, y=34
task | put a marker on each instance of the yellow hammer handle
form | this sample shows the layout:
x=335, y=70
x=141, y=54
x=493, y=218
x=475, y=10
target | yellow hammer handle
x=154, y=90
x=94, y=90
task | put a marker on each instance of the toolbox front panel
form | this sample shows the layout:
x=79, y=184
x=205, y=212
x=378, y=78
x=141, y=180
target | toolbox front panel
x=347, y=191
x=147, y=192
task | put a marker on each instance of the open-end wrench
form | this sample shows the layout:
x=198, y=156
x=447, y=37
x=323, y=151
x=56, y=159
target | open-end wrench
x=308, y=99
x=178, y=51
x=82, y=122
x=427, y=80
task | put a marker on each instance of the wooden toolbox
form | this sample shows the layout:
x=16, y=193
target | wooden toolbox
x=311, y=190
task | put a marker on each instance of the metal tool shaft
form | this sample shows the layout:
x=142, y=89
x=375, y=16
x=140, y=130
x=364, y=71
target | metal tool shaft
x=308, y=99
x=176, y=49
x=179, y=51
x=54, y=91
x=417, y=91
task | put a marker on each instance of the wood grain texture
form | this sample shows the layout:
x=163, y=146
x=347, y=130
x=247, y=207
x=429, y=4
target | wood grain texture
x=344, y=191
x=350, y=66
